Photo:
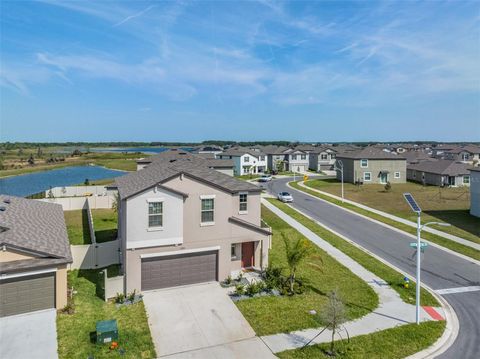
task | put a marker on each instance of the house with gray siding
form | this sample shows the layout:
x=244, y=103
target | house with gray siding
x=371, y=165
x=475, y=191
x=181, y=222
x=440, y=173
x=322, y=159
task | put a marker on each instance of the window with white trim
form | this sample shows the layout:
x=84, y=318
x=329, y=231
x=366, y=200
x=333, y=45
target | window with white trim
x=243, y=202
x=396, y=175
x=235, y=252
x=324, y=156
x=303, y=157
x=466, y=179
x=208, y=206
x=364, y=163
x=294, y=157
x=367, y=176
x=155, y=214
x=246, y=159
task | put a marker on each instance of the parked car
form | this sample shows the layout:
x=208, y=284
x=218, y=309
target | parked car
x=265, y=178
x=285, y=197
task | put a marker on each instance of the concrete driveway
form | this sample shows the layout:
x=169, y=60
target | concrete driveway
x=200, y=321
x=29, y=336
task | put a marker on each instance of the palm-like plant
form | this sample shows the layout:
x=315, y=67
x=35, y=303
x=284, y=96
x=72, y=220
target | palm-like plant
x=296, y=251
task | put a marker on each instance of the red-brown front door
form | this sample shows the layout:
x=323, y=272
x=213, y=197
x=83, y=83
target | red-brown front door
x=248, y=251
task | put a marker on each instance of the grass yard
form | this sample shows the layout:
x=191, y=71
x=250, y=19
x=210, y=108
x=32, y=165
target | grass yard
x=454, y=246
x=105, y=224
x=77, y=227
x=438, y=204
x=392, y=343
x=74, y=331
x=389, y=275
x=269, y=315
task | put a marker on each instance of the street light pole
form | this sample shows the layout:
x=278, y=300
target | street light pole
x=417, y=297
x=339, y=167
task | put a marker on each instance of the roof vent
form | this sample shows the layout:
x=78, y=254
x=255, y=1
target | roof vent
x=171, y=161
x=3, y=208
x=7, y=201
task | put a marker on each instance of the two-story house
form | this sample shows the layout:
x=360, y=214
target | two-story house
x=245, y=161
x=372, y=165
x=322, y=159
x=297, y=160
x=466, y=154
x=181, y=222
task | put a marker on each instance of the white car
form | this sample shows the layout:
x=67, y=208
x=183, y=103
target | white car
x=285, y=197
x=265, y=178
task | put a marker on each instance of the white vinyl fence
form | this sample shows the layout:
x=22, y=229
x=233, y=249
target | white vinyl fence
x=73, y=203
x=79, y=191
x=113, y=285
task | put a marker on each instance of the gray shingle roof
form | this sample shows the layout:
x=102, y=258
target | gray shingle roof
x=208, y=159
x=34, y=226
x=441, y=167
x=174, y=164
x=370, y=153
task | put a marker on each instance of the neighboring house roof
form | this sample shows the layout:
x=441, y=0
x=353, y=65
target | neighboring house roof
x=321, y=149
x=33, y=226
x=470, y=148
x=370, y=153
x=306, y=148
x=417, y=156
x=240, y=151
x=249, y=225
x=441, y=167
x=203, y=159
x=474, y=169
x=173, y=164
x=274, y=150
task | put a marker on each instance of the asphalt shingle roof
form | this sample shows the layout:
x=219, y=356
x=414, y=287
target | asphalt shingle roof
x=370, y=153
x=441, y=167
x=34, y=226
x=173, y=164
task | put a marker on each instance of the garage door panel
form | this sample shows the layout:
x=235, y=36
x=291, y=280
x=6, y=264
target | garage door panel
x=26, y=294
x=171, y=271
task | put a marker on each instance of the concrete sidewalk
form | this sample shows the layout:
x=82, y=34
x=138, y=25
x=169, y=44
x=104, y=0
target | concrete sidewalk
x=449, y=236
x=392, y=311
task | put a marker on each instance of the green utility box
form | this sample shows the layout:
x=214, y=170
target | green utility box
x=107, y=331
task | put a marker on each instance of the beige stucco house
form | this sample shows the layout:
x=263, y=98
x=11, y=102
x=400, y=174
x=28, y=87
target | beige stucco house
x=371, y=165
x=34, y=253
x=181, y=222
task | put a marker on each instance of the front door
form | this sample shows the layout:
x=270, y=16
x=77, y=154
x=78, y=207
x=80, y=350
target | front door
x=383, y=177
x=248, y=251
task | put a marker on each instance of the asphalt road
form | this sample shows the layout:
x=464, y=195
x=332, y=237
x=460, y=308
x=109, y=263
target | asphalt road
x=440, y=269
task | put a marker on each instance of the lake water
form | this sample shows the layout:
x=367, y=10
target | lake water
x=25, y=185
x=136, y=149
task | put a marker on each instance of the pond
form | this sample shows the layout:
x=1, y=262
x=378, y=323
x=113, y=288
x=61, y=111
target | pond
x=28, y=184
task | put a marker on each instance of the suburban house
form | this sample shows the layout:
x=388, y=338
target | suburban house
x=322, y=159
x=372, y=165
x=208, y=160
x=466, y=154
x=181, y=222
x=276, y=158
x=475, y=191
x=245, y=161
x=208, y=149
x=296, y=160
x=417, y=156
x=440, y=173
x=34, y=255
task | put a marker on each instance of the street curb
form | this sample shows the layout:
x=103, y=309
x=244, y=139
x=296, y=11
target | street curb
x=472, y=260
x=452, y=325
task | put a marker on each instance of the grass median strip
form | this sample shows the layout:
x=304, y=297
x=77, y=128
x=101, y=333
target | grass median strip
x=389, y=275
x=444, y=242
x=392, y=343
x=320, y=274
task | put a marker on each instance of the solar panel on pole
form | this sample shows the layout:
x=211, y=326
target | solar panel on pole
x=412, y=203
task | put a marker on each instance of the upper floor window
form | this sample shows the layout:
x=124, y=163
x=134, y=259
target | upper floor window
x=243, y=202
x=324, y=156
x=294, y=157
x=466, y=179
x=465, y=156
x=332, y=155
x=155, y=214
x=364, y=163
x=208, y=205
x=303, y=157
x=262, y=158
x=246, y=159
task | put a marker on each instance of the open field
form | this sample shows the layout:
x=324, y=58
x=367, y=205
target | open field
x=438, y=204
x=74, y=331
x=392, y=343
x=14, y=162
x=320, y=275
x=77, y=226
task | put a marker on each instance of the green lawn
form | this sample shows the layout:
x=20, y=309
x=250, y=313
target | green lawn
x=389, y=275
x=269, y=315
x=394, y=343
x=77, y=226
x=74, y=331
x=105, y=224
x=454, y=246
x=438, y=204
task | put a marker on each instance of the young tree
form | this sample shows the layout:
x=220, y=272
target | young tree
x=116, y=201
x=334, y=316
x=388, y=186
x=296, y=251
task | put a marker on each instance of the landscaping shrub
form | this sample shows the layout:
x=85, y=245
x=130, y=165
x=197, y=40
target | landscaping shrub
x=239, y=289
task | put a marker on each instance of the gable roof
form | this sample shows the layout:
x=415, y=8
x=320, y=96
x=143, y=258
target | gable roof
x=175, y=164
x=441, y=167
x=470, y=148
x=34, y=226
x=240, y=151
x=208, y=160
x=370, y=153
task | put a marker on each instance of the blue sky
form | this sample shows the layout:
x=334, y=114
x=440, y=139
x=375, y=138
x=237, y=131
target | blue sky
x=258, y=70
